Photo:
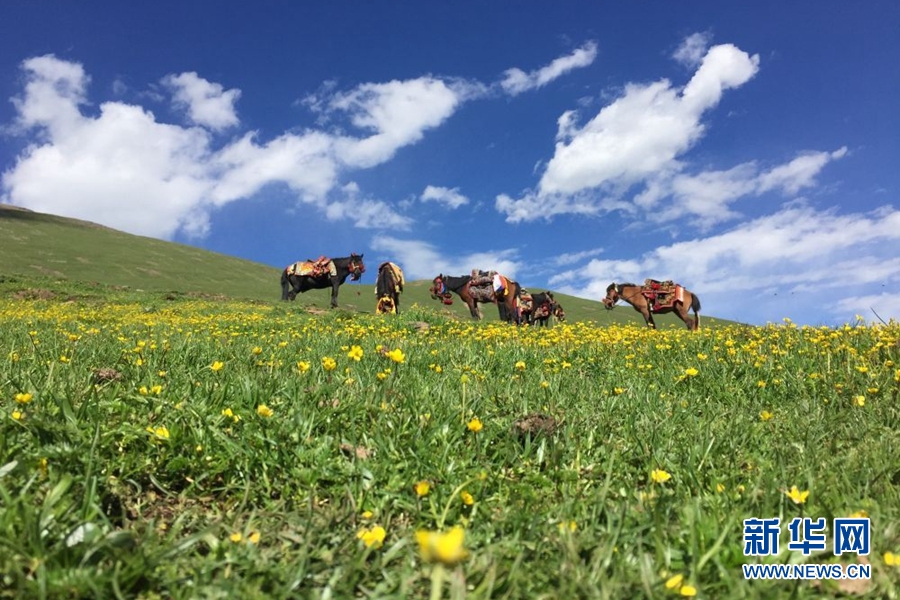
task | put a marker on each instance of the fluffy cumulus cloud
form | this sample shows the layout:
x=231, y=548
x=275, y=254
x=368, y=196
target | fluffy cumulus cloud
x=449, y=197
x=786, y=262
x=637, y=139
x=423, y=260
x=516, y=81
x=125, y=168
x=206, y=103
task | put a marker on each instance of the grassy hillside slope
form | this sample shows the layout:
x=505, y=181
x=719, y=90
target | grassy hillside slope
x=44, y=251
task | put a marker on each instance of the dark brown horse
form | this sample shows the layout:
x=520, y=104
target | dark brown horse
x=388, y=285
x=443, y=285
x=633, y=294
x=292, y=283
x=542, y=306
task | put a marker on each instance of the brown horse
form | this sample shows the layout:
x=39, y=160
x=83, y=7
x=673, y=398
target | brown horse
x=443, y=285
x=633, y=294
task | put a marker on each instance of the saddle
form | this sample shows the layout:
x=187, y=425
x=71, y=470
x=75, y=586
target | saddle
x=321, y=267
x=662, y=294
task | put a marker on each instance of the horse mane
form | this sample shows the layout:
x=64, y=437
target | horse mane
x=454, y=283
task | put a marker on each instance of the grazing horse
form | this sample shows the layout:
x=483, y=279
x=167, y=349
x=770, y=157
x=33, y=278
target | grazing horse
x=388, y=285
x=443, y=285
x=543, y=306
x=293, y=283
x=542, y=316
x=634, y=295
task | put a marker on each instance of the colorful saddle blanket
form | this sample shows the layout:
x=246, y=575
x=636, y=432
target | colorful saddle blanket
x=662, y=294
x=321, y=267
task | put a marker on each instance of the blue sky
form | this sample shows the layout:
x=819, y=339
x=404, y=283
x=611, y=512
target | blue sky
x=747, y=151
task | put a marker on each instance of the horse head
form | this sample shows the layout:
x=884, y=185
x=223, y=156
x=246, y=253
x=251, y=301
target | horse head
x=558, y=312
x=356, y=266
x=439, y=290
x=612, y=296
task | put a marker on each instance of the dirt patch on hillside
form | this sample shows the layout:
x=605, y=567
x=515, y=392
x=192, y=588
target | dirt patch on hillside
x=32, y=294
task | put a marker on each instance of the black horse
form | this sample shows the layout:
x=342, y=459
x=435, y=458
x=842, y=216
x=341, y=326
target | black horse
x=292, y=283
x=443, y=285
x=388, y=285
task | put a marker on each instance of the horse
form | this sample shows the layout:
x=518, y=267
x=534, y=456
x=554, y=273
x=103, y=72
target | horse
x=388, y=285
x=292, y=283
x=633, y=294
x=443, y=285
x=543, y=306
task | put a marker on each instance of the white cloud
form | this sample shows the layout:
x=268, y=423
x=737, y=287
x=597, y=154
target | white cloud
x=126, y=169
x=451, y=197
x=693, y=49
x=570, y=258
x=396, y=113
x=798, y=251
x=515, y=81
x=207, y=104
x=638, y=137
x=365, y=213
x=709, y=194
x=422, y=260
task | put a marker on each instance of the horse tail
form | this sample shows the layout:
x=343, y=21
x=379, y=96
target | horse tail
x=695, y=306
x=284, y=284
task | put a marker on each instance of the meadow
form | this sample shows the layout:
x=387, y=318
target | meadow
x=184, y=448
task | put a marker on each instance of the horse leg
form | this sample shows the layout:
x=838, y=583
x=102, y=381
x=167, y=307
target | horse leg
x=335, y=285
x=648, y=317
x=684, y=316
x=397, y=303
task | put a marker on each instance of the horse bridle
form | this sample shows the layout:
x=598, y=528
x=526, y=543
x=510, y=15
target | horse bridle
x=617, y=288
x=356, y=267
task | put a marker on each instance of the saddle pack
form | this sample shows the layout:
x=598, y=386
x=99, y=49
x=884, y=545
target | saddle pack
x=662, y=294
x=321, y=267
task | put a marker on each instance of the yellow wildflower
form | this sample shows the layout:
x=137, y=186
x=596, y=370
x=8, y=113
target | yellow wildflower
x=674, y=581
x=765, y=415
x=236, y=537
x=381, y=376
x=396, y=355
x=571, y=526
x=660, y=476
x=691, y=372
x=475, y=425
x=256, y=350
x=891, y=559
x=688, y=591
x=329, y=364
x=160, y=432
x=467, y=498
x=217, y=366
x=372, y=538
x=367, y=514
x=264, y=411
x=859, y=400
x=253, y=538
x=422, y=488
x=796, y=495
x=302, y=366
x=447, y=548
x=356, y=353
x=17, y=416
x=24, y=398
x=720, y=488
x=520, y=365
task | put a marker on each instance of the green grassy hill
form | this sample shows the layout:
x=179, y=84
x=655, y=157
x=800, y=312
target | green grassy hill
x=61, y=255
